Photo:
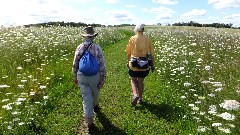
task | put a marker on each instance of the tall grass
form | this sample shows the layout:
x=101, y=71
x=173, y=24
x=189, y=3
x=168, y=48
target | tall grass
x=36, y=71
x=194, y=90
x=202, y=68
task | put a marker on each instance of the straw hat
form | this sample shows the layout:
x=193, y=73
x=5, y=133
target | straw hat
x=89, y=32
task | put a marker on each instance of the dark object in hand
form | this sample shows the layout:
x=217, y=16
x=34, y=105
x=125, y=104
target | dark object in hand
x=152, y=68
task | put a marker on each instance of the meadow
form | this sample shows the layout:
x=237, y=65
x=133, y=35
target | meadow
x=195, y=88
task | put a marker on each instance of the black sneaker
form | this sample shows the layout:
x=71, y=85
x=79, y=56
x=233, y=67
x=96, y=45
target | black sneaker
x=96, y=109
x=140, y=101
x=90, y=127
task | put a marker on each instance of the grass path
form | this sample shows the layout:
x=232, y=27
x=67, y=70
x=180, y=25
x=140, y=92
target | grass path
x=117, y=116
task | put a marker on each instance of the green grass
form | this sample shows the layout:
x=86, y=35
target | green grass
x=51, y=52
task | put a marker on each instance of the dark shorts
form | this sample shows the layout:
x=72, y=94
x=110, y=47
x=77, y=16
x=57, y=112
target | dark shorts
x=140, y=74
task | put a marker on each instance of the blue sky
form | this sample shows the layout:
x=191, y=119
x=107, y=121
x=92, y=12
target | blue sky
x=111, y=12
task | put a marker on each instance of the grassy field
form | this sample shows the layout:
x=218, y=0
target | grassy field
x=194, y=90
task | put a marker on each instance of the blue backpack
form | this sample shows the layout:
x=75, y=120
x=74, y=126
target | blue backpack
x=88, y=64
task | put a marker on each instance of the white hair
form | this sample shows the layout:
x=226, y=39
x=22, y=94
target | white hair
x=139, y=28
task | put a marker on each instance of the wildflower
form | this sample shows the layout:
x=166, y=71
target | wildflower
x=195, y=108
x=207, y=67
x=205, y=82
x=42, y=87
x=21, y=99
x=191, y=105
x=15, y=113
x=9, y=127
x=199, y=60
x=5, y=76
x=200, y=97
x=201, y=128
x=198, y=102
x=212, y=109
x=183, y=97
x=32, y=93
x=225, y=130
x=23, y=81
x=216, y=124
x=194, y=44
x=211, y=95
x=191, y=53
x=47, y=78
x=21, y=123
x=21, y=86
x=230, y=105
x=217, y=84
x=7, y=107
x=19, y=68
x=187, y=84
x=227, y=116
x=45, y=97
x=18, y=103
x=5, y=100
x=218, y=89
x=4, y=86
x=16, y=119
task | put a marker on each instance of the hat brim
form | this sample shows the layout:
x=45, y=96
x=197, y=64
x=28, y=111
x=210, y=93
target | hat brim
x=90, y=35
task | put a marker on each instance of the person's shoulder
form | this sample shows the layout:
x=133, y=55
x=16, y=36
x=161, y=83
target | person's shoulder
x=80, y=46
x=97, y=46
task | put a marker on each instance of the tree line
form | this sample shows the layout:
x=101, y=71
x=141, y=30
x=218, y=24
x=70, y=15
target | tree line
x=196, y=24
x=80, y=24
x=71, y=24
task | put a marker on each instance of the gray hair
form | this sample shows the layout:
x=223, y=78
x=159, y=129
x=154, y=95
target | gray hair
x=139, y=28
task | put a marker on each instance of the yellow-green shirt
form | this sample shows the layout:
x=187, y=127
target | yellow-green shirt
x=138, y=46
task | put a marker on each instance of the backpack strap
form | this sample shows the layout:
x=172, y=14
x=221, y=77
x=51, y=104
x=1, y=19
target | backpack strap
x=85, y=50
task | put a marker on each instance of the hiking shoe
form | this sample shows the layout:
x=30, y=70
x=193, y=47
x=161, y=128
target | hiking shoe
x=140, y=101
x=90, y=127
x=96, y=109
x=134, y=101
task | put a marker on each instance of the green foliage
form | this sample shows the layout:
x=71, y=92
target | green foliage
x=38, y=95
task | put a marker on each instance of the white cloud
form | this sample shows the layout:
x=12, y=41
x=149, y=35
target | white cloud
x=159, y=10
x=195, y=12
x=223, y=4
x=164, y=16
x=233, y=19
x=32, y=11
x=120, y=15
x=166, y=2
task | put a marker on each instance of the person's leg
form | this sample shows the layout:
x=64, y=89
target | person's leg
x=87, y=99
x=87, y=102
x=134, y=86
x=93, y=82
x=140, y=87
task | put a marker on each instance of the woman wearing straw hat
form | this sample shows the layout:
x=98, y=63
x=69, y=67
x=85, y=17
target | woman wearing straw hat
x=89, y=85
x=140, y=60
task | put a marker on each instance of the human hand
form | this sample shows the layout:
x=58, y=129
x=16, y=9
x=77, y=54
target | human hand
x=75, y=81
x=152, y=68
x=100, y=85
